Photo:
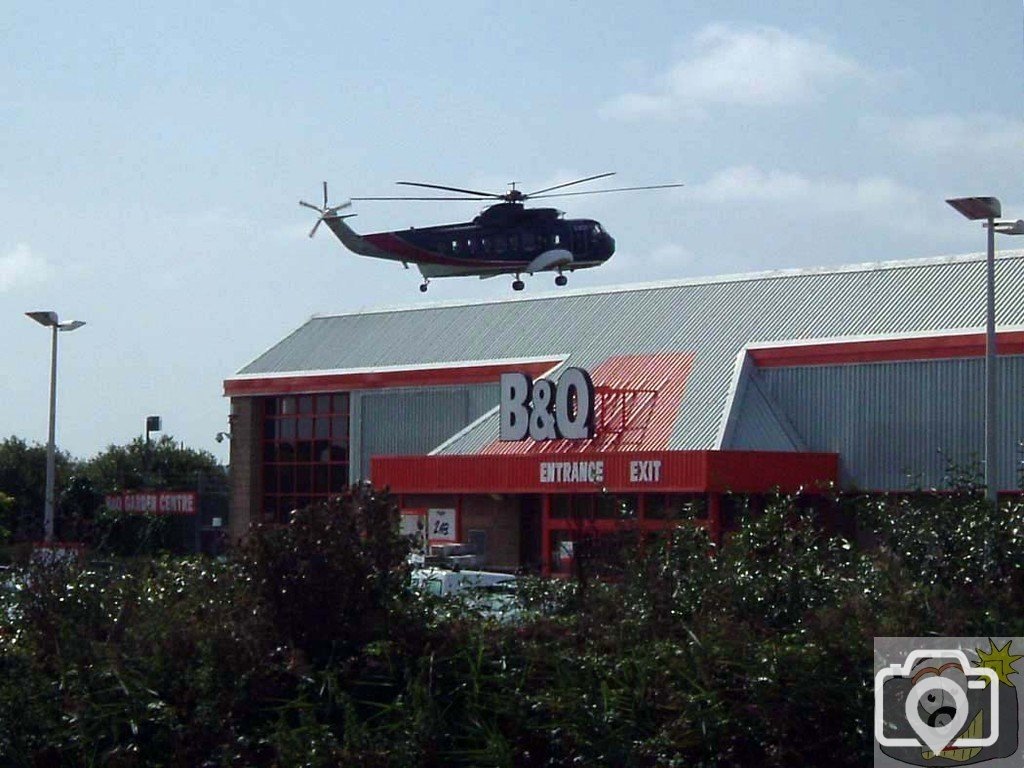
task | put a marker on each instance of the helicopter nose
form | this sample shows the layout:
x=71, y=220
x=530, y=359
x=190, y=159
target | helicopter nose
x=609, y=244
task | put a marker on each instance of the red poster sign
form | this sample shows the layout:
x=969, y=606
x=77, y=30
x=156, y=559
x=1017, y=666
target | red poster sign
x=155, y=502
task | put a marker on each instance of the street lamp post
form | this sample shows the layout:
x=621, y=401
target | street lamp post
x=50, y=320
x=989, y=209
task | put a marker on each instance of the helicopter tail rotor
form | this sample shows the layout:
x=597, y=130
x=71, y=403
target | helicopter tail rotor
x=325, y=211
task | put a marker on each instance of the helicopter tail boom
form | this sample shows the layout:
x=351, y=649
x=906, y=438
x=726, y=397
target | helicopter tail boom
x=354, y=241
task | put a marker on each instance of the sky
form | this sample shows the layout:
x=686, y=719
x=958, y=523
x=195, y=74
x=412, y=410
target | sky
x=153, y=156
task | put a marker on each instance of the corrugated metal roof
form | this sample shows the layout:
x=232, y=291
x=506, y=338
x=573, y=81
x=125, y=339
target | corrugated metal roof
x=709, y=318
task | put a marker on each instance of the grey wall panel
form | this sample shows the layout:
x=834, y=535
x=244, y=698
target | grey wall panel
x=901, y=424
x=758, y=428
x=396, y=422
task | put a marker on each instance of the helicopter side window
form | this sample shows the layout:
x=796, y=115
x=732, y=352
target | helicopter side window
x=513, y=242
x=485, y=243
x=558, y=240
x=455, y=245
x=529, y=242
x=500, y=245
x=581, y=238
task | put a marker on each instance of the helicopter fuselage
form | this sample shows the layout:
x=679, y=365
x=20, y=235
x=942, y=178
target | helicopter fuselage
x=505, y=239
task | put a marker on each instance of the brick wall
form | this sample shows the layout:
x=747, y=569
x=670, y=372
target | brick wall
x=499, y=519
x=245, y=466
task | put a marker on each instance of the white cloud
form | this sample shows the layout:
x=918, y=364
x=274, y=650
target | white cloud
x=953, y=134
x=658, y=263
x=747, y=184
x=669, y=255
x=762, y=66
x=21, y=267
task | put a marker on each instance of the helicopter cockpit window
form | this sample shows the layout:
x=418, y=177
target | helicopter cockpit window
x=597, y=229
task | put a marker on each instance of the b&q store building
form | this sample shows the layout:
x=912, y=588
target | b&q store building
x=870, y=377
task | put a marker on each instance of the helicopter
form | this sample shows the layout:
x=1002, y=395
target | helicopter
x=505, y=238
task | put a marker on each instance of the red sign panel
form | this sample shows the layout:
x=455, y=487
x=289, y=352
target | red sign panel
x=619, y=472
x=155, y=502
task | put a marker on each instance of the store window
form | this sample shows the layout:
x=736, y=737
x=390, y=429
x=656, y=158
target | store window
x=591, y=506
x=305, y=449
x=676, y=506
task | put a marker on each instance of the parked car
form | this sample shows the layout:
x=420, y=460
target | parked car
x=442, y=581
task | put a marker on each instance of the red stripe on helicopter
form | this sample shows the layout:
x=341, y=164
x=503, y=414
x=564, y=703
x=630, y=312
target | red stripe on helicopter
x=406, y=251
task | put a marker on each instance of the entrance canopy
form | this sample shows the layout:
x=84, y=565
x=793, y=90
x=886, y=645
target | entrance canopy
x=617, y=472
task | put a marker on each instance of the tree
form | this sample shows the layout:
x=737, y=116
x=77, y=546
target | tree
x=7, y=519
x=160, y=464
x=77, y=506
x=23, y=478
x=80, y=485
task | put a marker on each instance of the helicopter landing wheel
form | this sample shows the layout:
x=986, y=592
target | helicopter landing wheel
x=518, y=285
x=561, y=280
x=423, y=286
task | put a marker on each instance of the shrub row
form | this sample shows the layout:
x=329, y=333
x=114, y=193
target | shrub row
x=307, y=647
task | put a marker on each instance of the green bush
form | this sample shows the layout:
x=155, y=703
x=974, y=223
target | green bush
x=114, y=533
x=331, y=576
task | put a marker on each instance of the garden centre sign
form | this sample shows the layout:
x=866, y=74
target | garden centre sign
x=155, y=502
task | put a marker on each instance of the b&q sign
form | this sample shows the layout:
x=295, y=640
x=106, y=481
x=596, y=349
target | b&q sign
x=544, y=410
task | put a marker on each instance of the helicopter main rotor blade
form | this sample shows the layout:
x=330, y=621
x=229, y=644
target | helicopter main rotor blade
x=570, y=183
x=313, y=230
x=309, y=205
x=602, y=191
x=449, y=189
x=423, y=198
x=325, y=194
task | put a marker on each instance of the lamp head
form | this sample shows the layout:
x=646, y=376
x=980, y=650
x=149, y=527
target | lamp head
x=1009, y=227
x=71, y=325
x=975, y=208
x=47, y=318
